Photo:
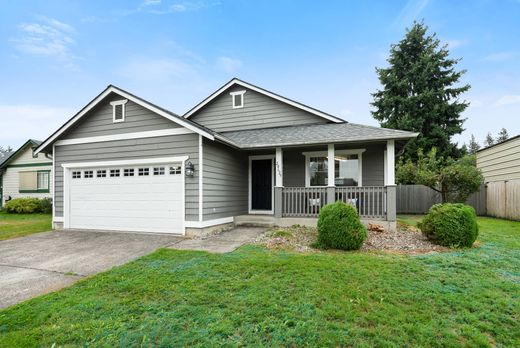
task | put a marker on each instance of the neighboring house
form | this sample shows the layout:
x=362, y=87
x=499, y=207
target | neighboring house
x=500, y=161
x=25, y=174
x=500, y=165
x=243, y=154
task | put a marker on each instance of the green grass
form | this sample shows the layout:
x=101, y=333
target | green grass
x=411, y=220
x=19, y=225
x=255, y=297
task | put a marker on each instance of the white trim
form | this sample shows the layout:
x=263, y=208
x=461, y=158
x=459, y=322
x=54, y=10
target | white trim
x=241, y=94
x=279, y=167
x=57, y=219
x=67, y=169
x=125, y=136
x=208, y=223
x=309, y=154
x=330, y=168
x=136, y=100
x=264, y=92
x=53, y=186
x=260, y=157
x=116, y=103
x=201, y=176
x=385, y=167
x=159, y=160
x=390, y=162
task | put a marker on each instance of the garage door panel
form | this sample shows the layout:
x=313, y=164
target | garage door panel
x=148, y=203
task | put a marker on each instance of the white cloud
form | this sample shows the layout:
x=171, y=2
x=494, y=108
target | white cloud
x=24, y=121
x=228, y=65
x=160, y=69
x=151, y=2
x=508, y=99
x=410, y=12
x=500, y=56
x=46, y=37
x=454, y=43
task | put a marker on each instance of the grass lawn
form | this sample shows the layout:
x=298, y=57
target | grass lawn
x=256, y=297
x=19, y=225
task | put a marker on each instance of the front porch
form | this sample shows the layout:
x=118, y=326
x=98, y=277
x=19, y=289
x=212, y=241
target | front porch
x=291, y=185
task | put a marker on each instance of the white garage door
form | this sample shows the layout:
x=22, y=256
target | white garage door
x=145, y=198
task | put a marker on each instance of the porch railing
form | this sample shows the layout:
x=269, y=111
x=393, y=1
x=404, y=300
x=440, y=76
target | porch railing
x=370, y=201
x=303, y=201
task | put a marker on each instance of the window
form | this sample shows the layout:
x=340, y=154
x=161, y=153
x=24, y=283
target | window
x=318, y=171
x=34, y=181
x=102, y=173
x=88, y=174
x=237, y=99
x=175, y=170
x=158, y=171
x=144, y=171
x=76, y=175
x=346, y=170
x=118, y=110
x=114, y=173
x=129, y=172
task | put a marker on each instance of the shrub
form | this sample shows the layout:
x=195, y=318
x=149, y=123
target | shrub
x=29, y=206
x=339, y=227
x=451, y=225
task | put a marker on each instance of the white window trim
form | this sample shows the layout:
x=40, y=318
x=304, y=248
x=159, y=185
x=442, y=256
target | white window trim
x=114, y=104
x=324, y=153
x=260, y=157
x=241, y=94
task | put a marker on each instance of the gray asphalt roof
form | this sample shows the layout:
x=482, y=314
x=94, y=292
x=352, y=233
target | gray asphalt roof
x=312, y=134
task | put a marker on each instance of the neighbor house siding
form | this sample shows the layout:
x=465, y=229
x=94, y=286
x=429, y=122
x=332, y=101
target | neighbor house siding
x=259, y=111
x=167, y=146
x=500, y=162
x=225, y=181
x=99, y=120
x=373, y=171
x=24, y=162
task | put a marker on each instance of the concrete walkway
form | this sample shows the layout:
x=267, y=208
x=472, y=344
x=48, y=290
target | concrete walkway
x=224, y=242
x=45, y=262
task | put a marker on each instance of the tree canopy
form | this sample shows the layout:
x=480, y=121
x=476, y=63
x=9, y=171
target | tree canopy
x=420, y=93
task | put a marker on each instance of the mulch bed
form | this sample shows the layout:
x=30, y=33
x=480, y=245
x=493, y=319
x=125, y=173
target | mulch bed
x=405, y=240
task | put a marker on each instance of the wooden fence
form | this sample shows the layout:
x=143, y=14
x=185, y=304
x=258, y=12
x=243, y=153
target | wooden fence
x=503, y=199
x=417, y=199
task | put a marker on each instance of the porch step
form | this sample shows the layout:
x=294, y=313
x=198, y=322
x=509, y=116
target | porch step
x=255, y=220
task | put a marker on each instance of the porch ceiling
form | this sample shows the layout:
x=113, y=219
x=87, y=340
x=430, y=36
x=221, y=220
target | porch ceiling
x=313, y=134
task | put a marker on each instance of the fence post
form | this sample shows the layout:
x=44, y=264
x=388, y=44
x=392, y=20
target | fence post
x=391, y=202
x=331, y=195
x=278, y=202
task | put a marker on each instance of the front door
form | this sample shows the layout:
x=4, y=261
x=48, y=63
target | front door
x=261, y=184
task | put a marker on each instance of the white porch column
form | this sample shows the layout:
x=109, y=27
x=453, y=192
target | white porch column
x=390, y=163
x=279, y=167
x=330, y=160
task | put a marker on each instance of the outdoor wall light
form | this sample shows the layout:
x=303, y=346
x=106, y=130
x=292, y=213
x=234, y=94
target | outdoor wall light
x=189, y=169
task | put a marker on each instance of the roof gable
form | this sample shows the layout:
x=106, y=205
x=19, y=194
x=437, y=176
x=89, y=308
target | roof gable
x=113, y=89
x=13, y=155
x=238, y=82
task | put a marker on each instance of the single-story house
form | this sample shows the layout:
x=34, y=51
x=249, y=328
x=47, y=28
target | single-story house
x=26, y=174
x=243, y=154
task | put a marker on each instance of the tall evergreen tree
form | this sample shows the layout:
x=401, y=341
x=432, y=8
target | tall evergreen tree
x=420, y=94
x=473, y=145
x=489, y=140
x=502, y=135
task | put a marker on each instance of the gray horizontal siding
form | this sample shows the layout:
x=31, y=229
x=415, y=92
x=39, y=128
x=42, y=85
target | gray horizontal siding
x=225, y=182
x=99, y=121
x=168, y=146
x=259, y=111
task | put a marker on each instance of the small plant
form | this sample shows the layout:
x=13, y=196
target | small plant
x=29, y=206
x=339, y=227
x=451, y=225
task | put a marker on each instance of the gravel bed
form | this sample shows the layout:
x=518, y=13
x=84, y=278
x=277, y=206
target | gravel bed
x=405, y=240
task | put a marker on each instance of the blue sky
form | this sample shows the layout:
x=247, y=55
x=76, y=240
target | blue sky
x=55, y=56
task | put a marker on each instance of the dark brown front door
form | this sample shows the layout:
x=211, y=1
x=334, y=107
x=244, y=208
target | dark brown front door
x=261, y=184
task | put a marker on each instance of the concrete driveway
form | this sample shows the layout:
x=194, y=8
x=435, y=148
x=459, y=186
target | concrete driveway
x=48, y=261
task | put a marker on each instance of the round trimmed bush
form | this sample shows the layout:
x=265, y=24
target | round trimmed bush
x=451, y=225
x=23, y=206
x=339, y=227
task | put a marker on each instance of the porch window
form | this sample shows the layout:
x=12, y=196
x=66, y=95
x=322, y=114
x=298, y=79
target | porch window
x=318, y=171
x=346, y=170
